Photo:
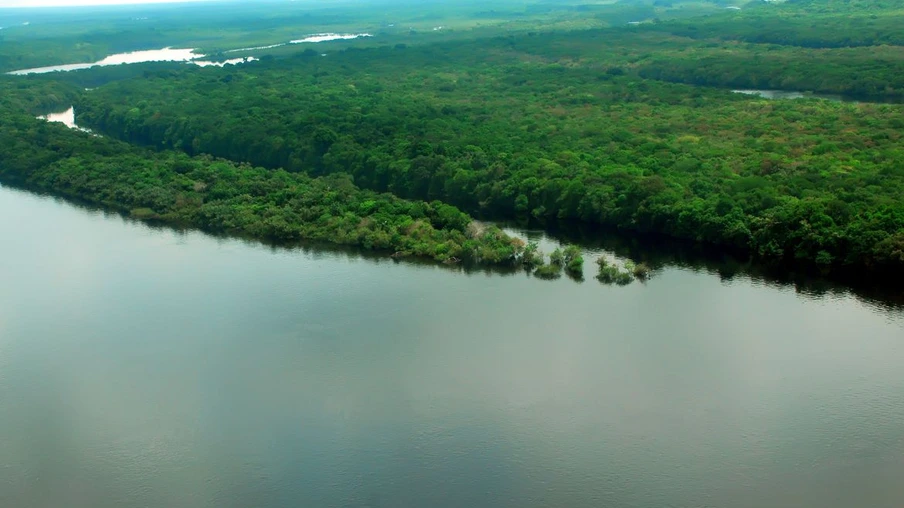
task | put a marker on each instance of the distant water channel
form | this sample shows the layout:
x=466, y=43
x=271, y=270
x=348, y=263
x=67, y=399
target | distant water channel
x=65, y=117
x=182, y=55
x=157, y=55
x=149, y=367
x=790, y=94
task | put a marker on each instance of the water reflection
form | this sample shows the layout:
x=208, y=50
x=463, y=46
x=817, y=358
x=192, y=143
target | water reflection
x=67, y=118
x=181, y=370
x=661, y=254
x=156, y=55
x=324, y=37
x=329, y=37
x=793, y=94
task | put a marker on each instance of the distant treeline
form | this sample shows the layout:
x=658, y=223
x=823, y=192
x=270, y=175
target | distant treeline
x=871, y=73
x=809, y=24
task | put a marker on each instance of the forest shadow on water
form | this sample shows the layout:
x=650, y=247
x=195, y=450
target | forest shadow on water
x=658, y=252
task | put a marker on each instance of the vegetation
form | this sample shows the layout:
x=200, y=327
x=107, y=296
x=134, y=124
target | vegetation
x=532, y=257
x=527, y=111
x=549, y=271
x=223, y=196
x=865, y=73
x=803, y=23
x=574, y=261
x=641, y=271
x=557, y=258
x=812, y=182
x=611, y=274
x=60, y=36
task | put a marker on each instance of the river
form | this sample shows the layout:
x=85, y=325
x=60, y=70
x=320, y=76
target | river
x=150, y=367
x=180, y=55
x=155, y=55
x=792, y=94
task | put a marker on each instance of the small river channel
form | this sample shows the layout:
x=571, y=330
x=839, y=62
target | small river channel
x=181, y=55
x=150, y=367
x=157, y=55
x=791, y=94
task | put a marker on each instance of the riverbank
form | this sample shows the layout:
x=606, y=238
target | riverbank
x=186, y=204
x=787, y=182
x=224, y=197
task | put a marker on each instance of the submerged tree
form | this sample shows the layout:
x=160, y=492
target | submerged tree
x=549, y=271
x=642, y=271
x=532, y=256
x=574, y=261
x=611, y=274
x=557, y=257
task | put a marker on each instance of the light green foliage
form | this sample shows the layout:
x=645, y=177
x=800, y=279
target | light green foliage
x=532, y=256
x=548, y=271
x=574, y=262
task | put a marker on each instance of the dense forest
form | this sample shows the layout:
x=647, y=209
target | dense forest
x=803, y=23
x=872, y=74
x=390, y=141
x=226, y=197
x=505, y=136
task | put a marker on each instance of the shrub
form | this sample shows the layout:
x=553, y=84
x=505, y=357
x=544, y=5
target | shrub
x=548, y=272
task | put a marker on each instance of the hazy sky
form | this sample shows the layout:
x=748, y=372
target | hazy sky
x=60, y=3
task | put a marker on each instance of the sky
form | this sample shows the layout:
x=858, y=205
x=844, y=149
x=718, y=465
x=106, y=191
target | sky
x=68, y=3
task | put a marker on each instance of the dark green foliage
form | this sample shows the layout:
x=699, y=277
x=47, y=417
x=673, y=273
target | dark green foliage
x=828, y=46
x=225, y=197
x=578, y=125
x=809, y=23
x=35, y=96
x=575, y=266
x=800, y=181
x=872, y=73
x=611, y=274
x=531, y=257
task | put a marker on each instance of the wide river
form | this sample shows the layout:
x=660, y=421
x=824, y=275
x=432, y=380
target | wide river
x=145, y=367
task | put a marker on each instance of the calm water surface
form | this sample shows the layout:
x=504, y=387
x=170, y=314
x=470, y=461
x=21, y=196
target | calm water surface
x=142, y=367
x=790, y=94
x=178, y=55
x=154, y=55
x=65, y=117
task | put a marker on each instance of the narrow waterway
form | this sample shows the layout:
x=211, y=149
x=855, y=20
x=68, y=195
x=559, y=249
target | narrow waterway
x=156, y=55
x=792, y=94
